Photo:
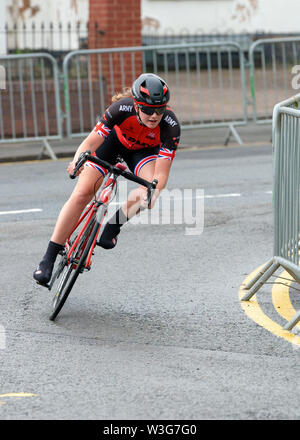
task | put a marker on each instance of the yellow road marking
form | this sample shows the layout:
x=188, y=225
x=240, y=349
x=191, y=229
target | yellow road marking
x=17, y=395
x=254, y=311
x=22, y=162
x=281, y=298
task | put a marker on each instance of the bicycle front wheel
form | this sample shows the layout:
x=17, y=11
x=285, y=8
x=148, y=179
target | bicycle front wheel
x=63, y=290
x=70, y=274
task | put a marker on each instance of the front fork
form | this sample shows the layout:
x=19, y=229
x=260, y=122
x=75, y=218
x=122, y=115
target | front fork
x=101, y=207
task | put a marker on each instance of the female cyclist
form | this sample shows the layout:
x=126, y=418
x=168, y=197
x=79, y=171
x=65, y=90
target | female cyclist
x=139, y=127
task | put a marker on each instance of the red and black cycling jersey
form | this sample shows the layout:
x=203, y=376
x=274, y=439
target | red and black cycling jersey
x=122, y=116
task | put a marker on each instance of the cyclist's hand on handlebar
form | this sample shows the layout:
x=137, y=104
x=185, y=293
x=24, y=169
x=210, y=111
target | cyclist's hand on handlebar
x=144, y=198
x=71, y=168
x=75, y=167
x=153, y=197
x=149, y=196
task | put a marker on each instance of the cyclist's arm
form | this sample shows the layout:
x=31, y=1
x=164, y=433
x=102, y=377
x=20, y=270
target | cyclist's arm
x=170, y=137
x=114, y=115
x=161, y=172
x=91, y=142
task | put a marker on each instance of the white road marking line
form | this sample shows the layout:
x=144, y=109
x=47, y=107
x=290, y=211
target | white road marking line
x=20, y=211
x=212, y=196
x=215, y=196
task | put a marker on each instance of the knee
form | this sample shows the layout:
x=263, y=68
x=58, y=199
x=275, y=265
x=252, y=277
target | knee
x=81, y=196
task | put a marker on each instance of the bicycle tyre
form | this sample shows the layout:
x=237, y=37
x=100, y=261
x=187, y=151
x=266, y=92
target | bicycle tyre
x=72, y=275
x=61, y=296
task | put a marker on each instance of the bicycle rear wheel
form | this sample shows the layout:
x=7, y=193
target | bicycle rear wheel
x=71, y=270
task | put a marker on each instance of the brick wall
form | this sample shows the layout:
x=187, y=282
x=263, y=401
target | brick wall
x=119, y=25
x=18, y=114
x=22, y=106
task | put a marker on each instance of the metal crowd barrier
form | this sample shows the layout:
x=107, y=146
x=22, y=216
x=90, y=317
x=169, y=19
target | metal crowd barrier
x=286, y=198
x=30, y=107
x=271, y=61
x=207, y=83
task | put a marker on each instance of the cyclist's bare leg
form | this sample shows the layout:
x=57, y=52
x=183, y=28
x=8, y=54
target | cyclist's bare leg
x=137, y=198
x=88, y=182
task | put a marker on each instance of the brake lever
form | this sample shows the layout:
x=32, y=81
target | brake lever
x=81, y=160
x=151, y=191
x=154, y=183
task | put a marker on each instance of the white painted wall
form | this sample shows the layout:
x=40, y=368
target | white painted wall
x=46, y=11
x=210, y=16
x=2, y=27
x=42, y=11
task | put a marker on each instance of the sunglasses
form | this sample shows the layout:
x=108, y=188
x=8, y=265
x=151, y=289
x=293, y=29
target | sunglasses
x=150, y=110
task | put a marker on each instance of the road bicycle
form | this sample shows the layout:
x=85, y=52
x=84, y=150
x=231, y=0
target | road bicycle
x=76, y=257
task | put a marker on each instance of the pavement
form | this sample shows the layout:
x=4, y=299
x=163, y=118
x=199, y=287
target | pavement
x=251, y=134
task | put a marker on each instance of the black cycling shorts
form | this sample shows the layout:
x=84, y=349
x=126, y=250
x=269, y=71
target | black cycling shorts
x=112, y=150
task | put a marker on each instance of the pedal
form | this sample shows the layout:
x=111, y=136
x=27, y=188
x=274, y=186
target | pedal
x=44, y=285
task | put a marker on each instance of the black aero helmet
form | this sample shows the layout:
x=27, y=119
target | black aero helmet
x=150, y=90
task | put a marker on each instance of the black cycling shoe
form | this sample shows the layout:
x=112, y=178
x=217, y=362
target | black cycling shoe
x=108, y=239
x=43, y=272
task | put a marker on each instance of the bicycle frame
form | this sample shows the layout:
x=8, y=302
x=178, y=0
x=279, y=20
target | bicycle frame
x=102, y=199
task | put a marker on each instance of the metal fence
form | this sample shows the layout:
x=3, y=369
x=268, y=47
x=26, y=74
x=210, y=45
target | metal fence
x=54, y=37
x=184, y=36
x=286, y=198
x=73, y=35
x=30, y=107
x=201, y=95
x=271, y=61
x=209, y=84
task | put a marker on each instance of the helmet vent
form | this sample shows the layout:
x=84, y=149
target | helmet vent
x=143, y=90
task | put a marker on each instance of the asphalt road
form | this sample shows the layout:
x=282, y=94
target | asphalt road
x=156, y=329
